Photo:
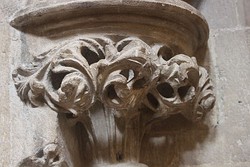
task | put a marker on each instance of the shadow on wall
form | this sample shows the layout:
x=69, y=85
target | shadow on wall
x=162, y=146
x=165, y=144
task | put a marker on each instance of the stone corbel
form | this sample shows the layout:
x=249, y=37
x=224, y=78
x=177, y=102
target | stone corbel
x=134, y=65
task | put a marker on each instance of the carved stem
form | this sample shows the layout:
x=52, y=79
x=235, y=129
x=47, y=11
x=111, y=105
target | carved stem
x=114, y=139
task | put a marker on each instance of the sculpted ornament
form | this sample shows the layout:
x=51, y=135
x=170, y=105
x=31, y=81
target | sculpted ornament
x=132, y=65
x=125, y=79
x=123, y=76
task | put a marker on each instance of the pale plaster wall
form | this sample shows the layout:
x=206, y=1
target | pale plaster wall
x=223, y=140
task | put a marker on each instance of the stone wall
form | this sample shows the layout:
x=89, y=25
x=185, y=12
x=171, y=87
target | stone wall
x=220, y=141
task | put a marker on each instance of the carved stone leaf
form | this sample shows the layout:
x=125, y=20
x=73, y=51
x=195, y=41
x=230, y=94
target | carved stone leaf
x=205, y=98
x=125, y=79
x=183, y=87
x=23, y=75
x=49, y=156
x=62, y=79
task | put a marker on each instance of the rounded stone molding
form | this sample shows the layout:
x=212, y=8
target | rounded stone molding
x=168, y=21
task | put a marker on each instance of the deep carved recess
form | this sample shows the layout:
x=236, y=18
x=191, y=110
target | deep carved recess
x=134, y=65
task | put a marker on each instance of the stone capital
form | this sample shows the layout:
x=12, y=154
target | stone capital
x=131, y=63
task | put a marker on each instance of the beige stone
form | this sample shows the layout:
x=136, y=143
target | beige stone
x=111, y=87
x=220, y=140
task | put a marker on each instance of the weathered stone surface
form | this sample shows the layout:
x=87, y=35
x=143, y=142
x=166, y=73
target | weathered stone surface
x=243, y=12
x=50, y=155
x=115, y=86
x=222, y=141
x=220, y=14
x=234, y=107
x=109, y=88
x=5, y=115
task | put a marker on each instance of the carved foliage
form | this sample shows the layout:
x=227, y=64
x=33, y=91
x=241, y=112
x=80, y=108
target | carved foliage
x=123, y=75
x=183, y=87
x=50, y=155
